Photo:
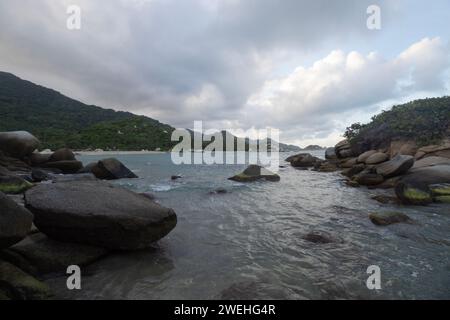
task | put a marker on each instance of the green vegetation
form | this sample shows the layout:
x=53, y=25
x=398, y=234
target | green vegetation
x=59, y=121
x=426, y=121
x=135, y=133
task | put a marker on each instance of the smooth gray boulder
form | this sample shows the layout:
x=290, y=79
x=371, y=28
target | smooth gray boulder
x=303, y=160
x=254, y=173
x=64, y=154
x=15, y=222
x=66, y=166
x=111, y=169
x=397, y=166
x=430, y=161
x=37, y=254
x=364, y=156
x=99, y=214
x=18, y=144
x=376, y=158
x=330, y=154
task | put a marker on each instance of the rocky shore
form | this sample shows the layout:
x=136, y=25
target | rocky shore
x=416, y=175
x=56, y=213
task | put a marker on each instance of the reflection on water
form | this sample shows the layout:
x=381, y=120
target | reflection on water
x=249, y=242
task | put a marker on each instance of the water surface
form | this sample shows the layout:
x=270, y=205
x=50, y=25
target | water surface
x=248, y=243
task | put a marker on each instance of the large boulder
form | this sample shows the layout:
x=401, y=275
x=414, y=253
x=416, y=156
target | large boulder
x=15, y=284
x=110, y=169
x=430, y=161
x=99, y=214
x=15, y=222
x=397, y=166
x=330, y=154
x=303, y=160
x=39, y=255
x=254, y=173
x=364, y=156
x=36, y=159
x=18, y=144
x=66, y=166
x=63, y=154
x=344, y=150
x=418, y=187
x=349, y=163
x=441, y=150
x=13, y=164
x=377, y=158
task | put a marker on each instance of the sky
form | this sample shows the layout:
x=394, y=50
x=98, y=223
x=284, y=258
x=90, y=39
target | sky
x=308, y=68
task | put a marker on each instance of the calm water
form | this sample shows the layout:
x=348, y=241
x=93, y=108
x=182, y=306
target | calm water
x=247, y=244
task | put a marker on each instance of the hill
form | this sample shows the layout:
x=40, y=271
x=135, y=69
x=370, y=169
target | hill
x=59, y=121
x=426, y=121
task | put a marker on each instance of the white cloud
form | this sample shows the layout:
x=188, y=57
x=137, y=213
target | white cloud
x=314, y=98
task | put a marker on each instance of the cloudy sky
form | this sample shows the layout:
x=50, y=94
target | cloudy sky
x=309, y=68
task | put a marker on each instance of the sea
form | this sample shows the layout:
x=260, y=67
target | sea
x=248, y=243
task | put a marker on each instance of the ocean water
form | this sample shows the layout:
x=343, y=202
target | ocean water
x=248, y=243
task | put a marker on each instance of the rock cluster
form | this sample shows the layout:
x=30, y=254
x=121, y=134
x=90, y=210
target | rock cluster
x=419, y=175
x=72, y=217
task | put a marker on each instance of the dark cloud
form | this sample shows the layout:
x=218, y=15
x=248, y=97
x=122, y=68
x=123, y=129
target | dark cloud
x=177, y=61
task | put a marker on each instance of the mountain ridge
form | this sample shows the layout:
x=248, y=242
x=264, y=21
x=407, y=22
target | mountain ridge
x=60, y=121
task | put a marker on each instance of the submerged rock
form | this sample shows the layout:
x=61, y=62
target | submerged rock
x=318, y=237
x=111, y=169
x=219, y=191
x=15, y=222
x=397, y=166
x=385, y=199
x=18, y=144
x=387, y=218
x=99, y=214
x=254, y=173
x=15, y=284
